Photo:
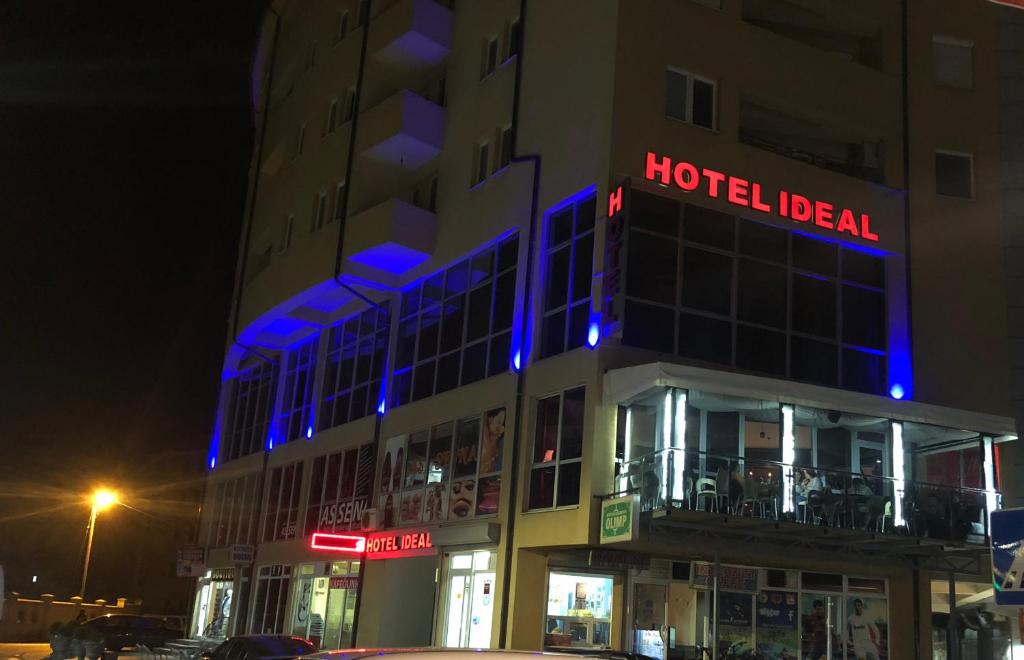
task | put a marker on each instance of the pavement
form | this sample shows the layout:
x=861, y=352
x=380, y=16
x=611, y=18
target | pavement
x=24, y=651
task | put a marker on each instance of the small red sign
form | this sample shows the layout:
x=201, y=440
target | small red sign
x=344, y=583
x=350, y=543
x=392, y=545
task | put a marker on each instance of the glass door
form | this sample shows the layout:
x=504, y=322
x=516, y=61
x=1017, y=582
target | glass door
x=649, y=614
x=469, y=609
x=339, y=605
x=821, y=633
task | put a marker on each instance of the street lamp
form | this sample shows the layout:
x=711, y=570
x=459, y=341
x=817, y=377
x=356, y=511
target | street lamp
x=102, y=499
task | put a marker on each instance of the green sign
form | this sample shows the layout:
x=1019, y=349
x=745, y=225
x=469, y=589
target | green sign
x=618, y=519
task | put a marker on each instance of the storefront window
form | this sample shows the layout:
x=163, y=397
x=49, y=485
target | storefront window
x=213, y=604
x=579, y=610
x=268, y=615
x=470, y=592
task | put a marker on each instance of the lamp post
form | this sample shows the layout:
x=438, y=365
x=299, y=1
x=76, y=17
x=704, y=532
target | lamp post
x=102, y=500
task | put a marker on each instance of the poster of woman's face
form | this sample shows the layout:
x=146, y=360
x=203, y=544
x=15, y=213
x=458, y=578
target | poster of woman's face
x=391, y=468
x=463, y=498
x=493, y=441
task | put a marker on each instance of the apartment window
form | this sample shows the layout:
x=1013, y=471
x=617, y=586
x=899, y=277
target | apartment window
x=455, y=326
x=357, y=351
x=332, y=117
x=342, y=29
x=689, y=98
x=287, y=229
x=504, y=148
x=363, y=14
x=300, y=137
x=232, y=513
x=569, y=262
x=281, y=522
x=250, y=405
x=513, y=35
x=489, y=60
x=350, y=104
x=297, y=399
x=954, y=174
x=339, y=201
x=311, y=56
x=952, y=62
x=713, y=288
x=481, y=157
x=320, y=214
x=341, y=489
x=558, y=451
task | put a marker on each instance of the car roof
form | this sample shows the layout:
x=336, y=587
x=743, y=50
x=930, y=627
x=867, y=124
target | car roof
x=435, y=654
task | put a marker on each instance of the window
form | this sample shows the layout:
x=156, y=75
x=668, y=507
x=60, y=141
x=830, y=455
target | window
x=455, y=326
x=287, y=230
x=954, y=176
x=300, y=137
x=283, y=503
x=689, y=99
x=232, y=512
x=350, y=104
x=489, y=61
x=363, y=14
x=295, y=419
x=513, y=35
x=270, y=606
x=356, y=354
x=504, y=148
x=717, y=289
x=320, y=215
x=569, y=263
x=249, y=407
x=332, y=117
x=558, y=450
x=341, y=488
x=339, y=202
x=481, y=157
x=451, y=471
x=952, y=62
x=342, y=29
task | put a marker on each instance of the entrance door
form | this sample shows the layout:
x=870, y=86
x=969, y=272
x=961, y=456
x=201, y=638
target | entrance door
x=469, y=610
x=649, y=619
x=339, y=605
x=821, y=636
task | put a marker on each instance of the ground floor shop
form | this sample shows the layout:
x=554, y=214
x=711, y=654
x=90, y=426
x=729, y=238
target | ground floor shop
x=214, y=602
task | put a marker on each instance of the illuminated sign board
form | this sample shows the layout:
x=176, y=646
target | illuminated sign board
x=614, y=256
x=750, y=194
x=350, y=543
x=392, y=545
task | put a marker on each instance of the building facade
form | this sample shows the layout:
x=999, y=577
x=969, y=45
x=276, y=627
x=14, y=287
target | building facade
x=676, y=326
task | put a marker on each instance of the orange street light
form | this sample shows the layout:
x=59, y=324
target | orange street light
x=102, y=499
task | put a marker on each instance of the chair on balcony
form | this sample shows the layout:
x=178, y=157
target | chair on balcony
x=887, y=514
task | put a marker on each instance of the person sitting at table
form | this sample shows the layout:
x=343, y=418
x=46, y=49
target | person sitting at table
x=807, y=482
x=860, y=488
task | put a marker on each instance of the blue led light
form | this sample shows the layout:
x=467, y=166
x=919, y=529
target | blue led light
x=896, y=391
x=213, y=462
x=309, y=431
x=381, y=406
x=593, y=335
x=517, y=360
x=270, y=443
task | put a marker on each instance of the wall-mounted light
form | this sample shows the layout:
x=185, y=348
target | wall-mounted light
x=213, y=462
x=896, y=391
x=898, y=474
x=593, y=335
x=788, y=457
x=988, y=464
x=270, y=443
x=381, y=406
x=679, y=442
x=517, y=361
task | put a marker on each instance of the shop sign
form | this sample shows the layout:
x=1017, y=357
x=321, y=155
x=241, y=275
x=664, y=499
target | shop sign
x=1007, y=532
x=619, y=521
x=191, y=561
x=242, y=554
x=222, y=574
x=749, y=194
x=613, y=284
x=343, y=514
x=344, y=583
x=393, y=545
x=730, y=578
x=350, y=543
x=619, y=559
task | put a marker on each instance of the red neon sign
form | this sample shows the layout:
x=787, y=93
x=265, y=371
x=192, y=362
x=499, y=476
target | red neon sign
x=353, y=543
x=392, y=545
x=749, y=194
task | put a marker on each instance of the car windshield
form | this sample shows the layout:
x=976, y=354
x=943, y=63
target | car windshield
x=282, y=646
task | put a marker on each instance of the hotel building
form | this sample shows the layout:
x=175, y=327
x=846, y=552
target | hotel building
x=659, y=325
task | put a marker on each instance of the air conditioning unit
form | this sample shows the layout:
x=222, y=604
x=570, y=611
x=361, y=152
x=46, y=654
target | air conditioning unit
x=370, y=519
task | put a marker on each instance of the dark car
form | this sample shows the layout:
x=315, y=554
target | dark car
x=260, y=647
x=123, y=630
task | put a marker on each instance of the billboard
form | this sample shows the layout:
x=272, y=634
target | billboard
x=1007, y=533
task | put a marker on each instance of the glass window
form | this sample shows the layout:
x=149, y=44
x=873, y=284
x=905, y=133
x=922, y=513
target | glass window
x=281, y=521
x=689, y=99
x=353, y=367
x=295, y=419
x=761, y=293
x=953, y=174
x=569, y=270
x=952, y=62
x=557, y=450
x=653, y=272
x=707, y=281
x=249, y=408
x=579, y=610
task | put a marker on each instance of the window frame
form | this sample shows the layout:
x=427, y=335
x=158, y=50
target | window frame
x=503, y=139
x=294, y=503
x=287, y=234
x=341, y=31
x=250, y=410
x=947, y=40
x=513, y=38
x=319, y=212
x=971, y=175
x=335, y=350
x=300, y=138
x=339, y=197
x=571, y=243
x=489, y=56
x=332, y=116
x=302, y=357
x=481, y=162
x=557, y=462
x=691, y=78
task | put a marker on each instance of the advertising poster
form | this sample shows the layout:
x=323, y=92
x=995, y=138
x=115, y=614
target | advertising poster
x=867, y=628
x=391, y=480
x=412, y=506
x=488, y=494
x=416, y=461
x=466, y=445
x=440, y=455
x=735, y=624
x=777, y=636
x=814, y=626
x=463, y=499
x=493, y=442
x=435, y=507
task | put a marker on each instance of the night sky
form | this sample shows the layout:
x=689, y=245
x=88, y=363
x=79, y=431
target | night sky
x=125, y=136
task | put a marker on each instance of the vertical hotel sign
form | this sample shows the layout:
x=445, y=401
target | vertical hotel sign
x=613, y=289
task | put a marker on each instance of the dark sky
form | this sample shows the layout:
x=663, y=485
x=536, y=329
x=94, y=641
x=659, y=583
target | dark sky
x=125, y=135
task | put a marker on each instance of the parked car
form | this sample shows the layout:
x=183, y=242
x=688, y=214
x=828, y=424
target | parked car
x=605, y=654
x=260, y=647
x=467, y=654
x=123, y=630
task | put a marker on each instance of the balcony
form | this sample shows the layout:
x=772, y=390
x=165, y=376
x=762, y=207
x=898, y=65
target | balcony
x=392, y=237
x=404, y=131
x=412, y=35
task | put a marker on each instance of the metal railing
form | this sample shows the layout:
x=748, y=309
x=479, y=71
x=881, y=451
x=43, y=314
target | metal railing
x=715, y=483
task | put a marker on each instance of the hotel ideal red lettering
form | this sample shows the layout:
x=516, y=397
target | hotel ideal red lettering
x=750, y=194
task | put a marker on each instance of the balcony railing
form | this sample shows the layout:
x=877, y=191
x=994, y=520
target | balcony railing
x=677, y=479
